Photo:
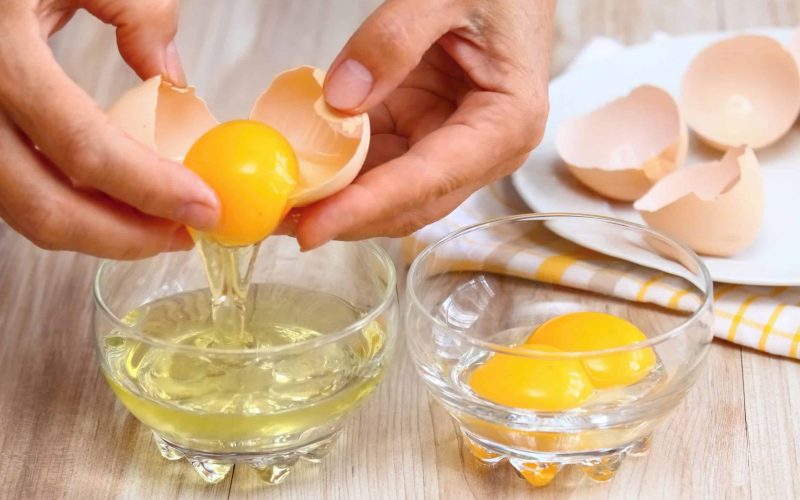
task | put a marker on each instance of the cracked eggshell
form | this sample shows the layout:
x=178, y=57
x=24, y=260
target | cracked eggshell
x=716, y=208
x=743, y=91
x=165, y=118
x=622, y=148
x=331, y=146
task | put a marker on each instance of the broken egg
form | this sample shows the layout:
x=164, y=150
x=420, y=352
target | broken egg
x=743, y=91
x=622, y=148
x=716, y=208
x=330, y=146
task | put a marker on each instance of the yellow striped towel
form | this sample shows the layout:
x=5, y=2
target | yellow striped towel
x=764, y=318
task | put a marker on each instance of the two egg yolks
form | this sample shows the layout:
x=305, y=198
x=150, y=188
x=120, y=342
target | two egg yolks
x=561, y=383
x=253, y=170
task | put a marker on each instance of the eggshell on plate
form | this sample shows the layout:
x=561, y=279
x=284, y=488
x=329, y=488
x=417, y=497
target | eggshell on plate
x=331, y=147
x=622, y=148
x=716, y=208
x=741, y=91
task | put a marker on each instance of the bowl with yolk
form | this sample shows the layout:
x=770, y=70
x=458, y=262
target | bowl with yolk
x=550, y=355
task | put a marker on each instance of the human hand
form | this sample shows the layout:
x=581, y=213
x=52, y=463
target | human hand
x=68, y=178
x=457, y=96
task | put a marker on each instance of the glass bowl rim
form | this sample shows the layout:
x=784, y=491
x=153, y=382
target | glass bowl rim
x=705, y=306
x=389, y=294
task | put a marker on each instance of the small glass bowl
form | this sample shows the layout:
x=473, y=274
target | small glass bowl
x=267, y=405
x=482, y=290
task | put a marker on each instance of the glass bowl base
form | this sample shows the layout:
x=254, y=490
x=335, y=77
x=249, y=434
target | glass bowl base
x=272, y=468
x=540, y=469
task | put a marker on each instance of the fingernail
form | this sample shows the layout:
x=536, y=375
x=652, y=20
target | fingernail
x=349, y=85
x=197, y=215
x=310, y=240
x=205, y=195
x=317, y=240
x=172, y=61
x=320, y=232
x=305, y=249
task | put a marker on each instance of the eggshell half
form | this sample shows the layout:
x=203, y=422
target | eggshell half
x=794, y=46
x=165, y=118
x=331, y=147
x=622, y=148
x=741, y=91
x=716, y=208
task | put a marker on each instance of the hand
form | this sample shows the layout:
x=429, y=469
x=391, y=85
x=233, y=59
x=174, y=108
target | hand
x=457, y=96
x=68, y=178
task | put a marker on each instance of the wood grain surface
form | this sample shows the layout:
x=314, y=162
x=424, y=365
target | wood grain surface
x=63, y=435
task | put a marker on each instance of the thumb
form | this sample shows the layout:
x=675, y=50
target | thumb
x=145, y=34
x=384, y=50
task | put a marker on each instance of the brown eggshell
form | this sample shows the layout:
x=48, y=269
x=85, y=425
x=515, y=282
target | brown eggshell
x=794, y=46
x=716, y=208
x=165, y=118
x=622, y=148
x=741, y=91
x=331, y=147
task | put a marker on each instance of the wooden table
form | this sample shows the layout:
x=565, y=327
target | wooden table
x=62, y=435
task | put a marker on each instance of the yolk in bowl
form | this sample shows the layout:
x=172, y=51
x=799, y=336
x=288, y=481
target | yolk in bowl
x=589, y=331
x=532, y=383
x=556, y=384
x=253, y=170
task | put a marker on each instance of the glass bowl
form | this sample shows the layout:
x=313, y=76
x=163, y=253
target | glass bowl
x=478, y=294
x=326, y=323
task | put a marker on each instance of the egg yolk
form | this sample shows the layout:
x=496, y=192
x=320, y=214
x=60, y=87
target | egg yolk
x=253, y=170
x=532, y=383
x=588, y=331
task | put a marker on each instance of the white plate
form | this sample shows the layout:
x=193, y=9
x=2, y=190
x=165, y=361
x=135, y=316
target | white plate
x=546, y=186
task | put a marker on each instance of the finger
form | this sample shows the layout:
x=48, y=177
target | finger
x=487, y=131
x=380, y=120
x=384, y=50
x=145, y=33
x=288, y=226
x=37, y=202
x=505, y=51
x=409, y=221
x=427, y=113
x=384, y=148
x=71, y=130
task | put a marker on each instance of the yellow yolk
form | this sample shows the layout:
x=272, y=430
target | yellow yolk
x=253, y=170
x=532, y=383
x=588, y=331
